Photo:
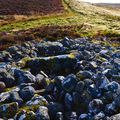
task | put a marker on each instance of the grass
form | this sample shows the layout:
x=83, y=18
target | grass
x=74, y=22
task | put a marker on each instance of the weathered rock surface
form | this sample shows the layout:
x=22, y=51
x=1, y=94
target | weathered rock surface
x=71, y=79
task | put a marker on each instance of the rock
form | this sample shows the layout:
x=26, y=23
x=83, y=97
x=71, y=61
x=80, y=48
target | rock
x=110, y=109
x=27, y=93
x=50, y=88
x=49, y=98
x=77, y=100
x=59, y=116
x=14, y=97
x=115, y=117
x=100, y=80
x=95, y=106
x=23, y=77
x=88, y=82
x=116, y=54
x=37, y=100
x=80, y=87
x=69, y=83
x=2, y=86
x=42, y=113
x=8, y=110
x=50, y=48
x=40, y=81
x=71, y=116
x=60, y=64
x=5, y=57
x=4, y=97
x=117, y=64
x=83, y=117
x=24, y=115
x=113, y=87
x=7, y=78
x=68, y=102
x=93, y=65
x=58, y=82
x=81, y=75
x=54, y=108
x=94, y=91
x=99, y=116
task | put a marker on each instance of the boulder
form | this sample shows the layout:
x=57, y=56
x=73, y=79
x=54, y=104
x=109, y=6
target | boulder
x=62, y=64
x=95, y=106
x=42, y=113
x=69, y=83
x=115, y=117
x=8, y=110
x=2, y=86
x=7, y=78
x=14, y=97
x=23, y=77
x=50, y=48
x=53, y=108
x=40, y=81
x=27, y=93
x=37, y=100
x=81, y=75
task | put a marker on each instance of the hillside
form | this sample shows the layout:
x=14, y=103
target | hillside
x=78, y=19
x=30, y=7
x=108, y=5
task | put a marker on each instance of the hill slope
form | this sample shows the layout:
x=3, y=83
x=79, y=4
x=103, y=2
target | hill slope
x=78, y=19
x=30, y=7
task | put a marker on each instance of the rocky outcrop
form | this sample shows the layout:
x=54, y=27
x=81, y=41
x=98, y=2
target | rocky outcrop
x=71, y=79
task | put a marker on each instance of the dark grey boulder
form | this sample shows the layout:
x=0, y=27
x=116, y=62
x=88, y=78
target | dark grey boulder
x=53, y=108
x=80, y=86
x=62, y=64
x=69, y=83
x=7, y=78
x=2, y=86
x=71, y=116
x=40, y=81
x=58, y=82
x=8, y=110
x=81, y=75
x=68, y=102
x=37, y=100
x=23, y=77
x=95, y=106
x=14, y=97
x=27, y=93
x=59, y=116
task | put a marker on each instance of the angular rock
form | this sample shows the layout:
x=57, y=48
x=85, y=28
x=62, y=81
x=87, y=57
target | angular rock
x=61, y=64
x=84, y=75
x=2, y=86
x=27, y=93
x=42, y=113
x=8, y=110
x=115, y=117
x=37, y=100
x=53, y=108
x=69, y=83
x=95, y=106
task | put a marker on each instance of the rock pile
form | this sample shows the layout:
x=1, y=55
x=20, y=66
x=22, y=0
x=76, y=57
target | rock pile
x=71, y=79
